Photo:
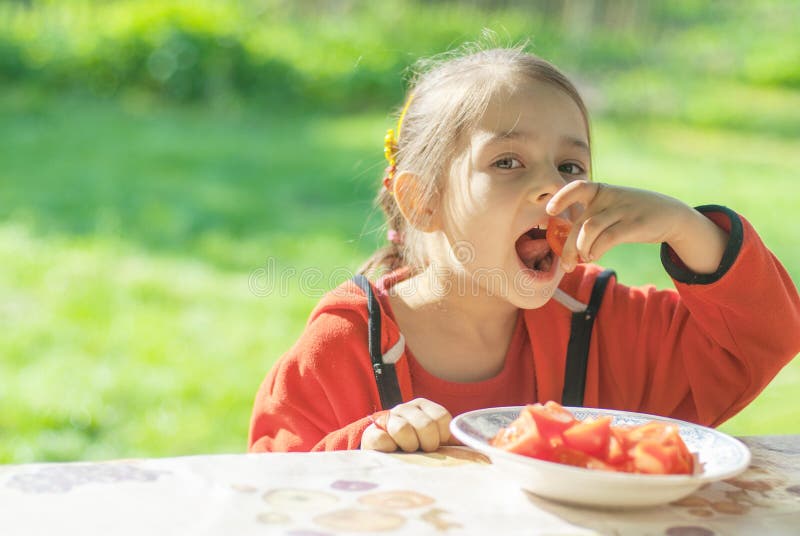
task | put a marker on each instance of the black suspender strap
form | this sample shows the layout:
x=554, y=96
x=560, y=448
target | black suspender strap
x=385, y=374
x=578, y=346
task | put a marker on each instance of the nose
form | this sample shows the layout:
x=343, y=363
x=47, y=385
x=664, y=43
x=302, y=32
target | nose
x=545, y=186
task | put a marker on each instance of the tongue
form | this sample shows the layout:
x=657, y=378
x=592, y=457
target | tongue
x=532, y=251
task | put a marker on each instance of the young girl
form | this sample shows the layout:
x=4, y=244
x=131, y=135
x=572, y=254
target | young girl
x=476, y=310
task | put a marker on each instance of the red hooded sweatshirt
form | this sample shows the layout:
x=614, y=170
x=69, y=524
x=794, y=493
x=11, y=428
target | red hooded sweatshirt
x=700, y=352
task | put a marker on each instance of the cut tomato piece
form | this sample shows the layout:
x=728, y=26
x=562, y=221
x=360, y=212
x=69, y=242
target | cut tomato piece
x=550, y=432
x=683, y=465
x=551, y=419
x=616, y=453
x=685, y=458
x=522, y=437
x=590, y=436
x=570, y=456
x=681, y=460
x=525, y=441
x=650, y=457
x=652, y=430
x=557, y=232
x=579, y=458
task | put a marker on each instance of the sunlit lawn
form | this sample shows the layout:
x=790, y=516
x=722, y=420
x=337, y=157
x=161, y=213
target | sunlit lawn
x=129, y=233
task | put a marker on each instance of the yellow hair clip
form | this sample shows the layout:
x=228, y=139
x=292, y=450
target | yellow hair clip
x=390, y=146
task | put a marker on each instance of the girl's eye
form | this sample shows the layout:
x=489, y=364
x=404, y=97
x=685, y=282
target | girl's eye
x=508, y=162
x=571, y=169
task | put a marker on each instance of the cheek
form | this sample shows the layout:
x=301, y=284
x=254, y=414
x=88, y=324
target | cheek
x=482, y=197
x=477, y=214
x=472, y=196
x=465, y=208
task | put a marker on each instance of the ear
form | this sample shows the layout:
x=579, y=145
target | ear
x=420, y=213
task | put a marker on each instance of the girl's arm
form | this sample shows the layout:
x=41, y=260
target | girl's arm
x=698, y=242
x=704, y=352
x=320, y=394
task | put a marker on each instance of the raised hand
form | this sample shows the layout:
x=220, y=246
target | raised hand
x=614, y=215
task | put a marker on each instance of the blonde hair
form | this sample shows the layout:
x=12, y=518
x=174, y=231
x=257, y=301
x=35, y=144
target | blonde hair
x=451, y=93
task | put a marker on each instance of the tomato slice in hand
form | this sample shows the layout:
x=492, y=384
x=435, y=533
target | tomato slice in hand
x=557, y=232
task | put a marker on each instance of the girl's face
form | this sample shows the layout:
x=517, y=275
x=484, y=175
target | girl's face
x=530, y=142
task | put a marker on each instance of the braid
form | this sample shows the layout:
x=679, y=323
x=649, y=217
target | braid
x=393, y=255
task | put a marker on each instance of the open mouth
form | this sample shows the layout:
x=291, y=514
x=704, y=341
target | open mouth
x=534, y=251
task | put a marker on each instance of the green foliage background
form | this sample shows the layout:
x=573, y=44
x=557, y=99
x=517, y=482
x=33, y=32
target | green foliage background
x=157, y=158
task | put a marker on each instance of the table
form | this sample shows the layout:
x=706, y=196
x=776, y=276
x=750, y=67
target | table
x=453, y=491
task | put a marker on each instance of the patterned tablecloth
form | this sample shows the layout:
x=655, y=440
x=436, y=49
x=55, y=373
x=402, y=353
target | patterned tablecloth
x=451, y=492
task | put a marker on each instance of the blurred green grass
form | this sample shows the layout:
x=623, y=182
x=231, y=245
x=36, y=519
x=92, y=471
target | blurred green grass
x=128, y=238
x=136, y=219
x=127, y=242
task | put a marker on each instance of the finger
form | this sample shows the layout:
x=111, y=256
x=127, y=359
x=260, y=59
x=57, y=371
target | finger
x=374, y=438
x=402, y=432
x=611, y=236
x=574, y=212
x=582, y=192
x=426, y=429
x=569, y=252
x=593, y=227
x=438, y=414
x=453, y=442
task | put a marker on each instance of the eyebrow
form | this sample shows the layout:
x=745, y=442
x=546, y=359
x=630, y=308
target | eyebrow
x=516, y=134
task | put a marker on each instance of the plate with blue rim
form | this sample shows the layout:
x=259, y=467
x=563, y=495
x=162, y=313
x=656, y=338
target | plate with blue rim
x=719, y=456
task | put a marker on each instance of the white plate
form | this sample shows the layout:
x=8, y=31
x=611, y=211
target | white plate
x=720, y=455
